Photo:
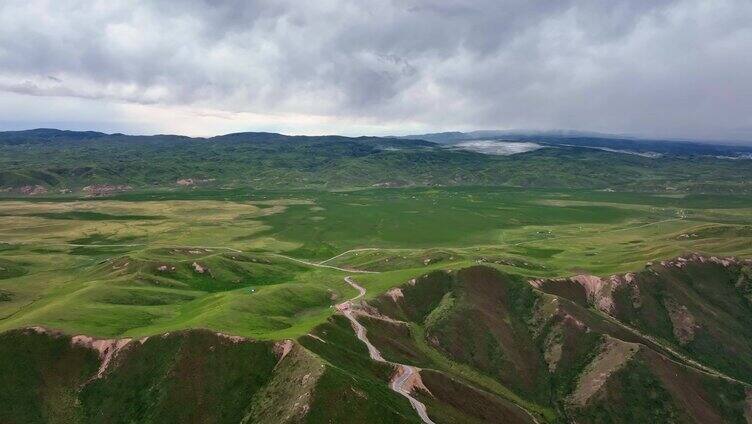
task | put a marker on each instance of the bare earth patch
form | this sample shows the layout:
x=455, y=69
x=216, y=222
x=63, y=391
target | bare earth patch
x=599, y=291
x=32, y=190
x=105, y=189
x=614, y=355
x=234, y=339
x=683, y=322
x=107, y=348
x=282, y=348
x=553, y=344
x=395, y=294
x=198, y=268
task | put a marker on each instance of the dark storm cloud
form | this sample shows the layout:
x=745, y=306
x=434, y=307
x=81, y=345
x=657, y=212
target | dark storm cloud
x=669, y=68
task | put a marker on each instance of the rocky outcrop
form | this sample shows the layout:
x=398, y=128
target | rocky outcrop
x=599, y=291
x=34, y=190
x=682, y=261
x=108, y=349
x=187, y=182
x=105, y=189
x=198, y=268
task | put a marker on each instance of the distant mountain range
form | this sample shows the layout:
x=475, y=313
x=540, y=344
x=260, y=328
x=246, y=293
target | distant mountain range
x=40, y=161
x=570, y=138
x=49, y=135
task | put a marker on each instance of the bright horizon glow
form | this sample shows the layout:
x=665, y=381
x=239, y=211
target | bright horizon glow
x=665, y=69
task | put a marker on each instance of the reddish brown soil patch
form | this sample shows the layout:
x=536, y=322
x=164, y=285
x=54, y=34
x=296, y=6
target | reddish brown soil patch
x=614, y=355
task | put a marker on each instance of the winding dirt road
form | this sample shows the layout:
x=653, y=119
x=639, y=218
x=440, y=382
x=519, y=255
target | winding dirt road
x=400, y=383
x=405, y=373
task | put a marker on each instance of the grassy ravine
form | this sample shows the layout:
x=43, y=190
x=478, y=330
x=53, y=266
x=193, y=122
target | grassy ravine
x=476, y=378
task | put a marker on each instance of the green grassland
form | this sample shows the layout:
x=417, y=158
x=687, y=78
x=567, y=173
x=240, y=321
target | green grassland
x=273, y=261
x=269, y=265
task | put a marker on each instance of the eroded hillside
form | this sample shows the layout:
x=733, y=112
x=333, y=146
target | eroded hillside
x=487, y=347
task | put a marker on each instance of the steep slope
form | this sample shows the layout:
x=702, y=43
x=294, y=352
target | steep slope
x=485, y=346
x=700, y=306
x=628, y=383
x=449, y=400
x=549, y=351
x=193, y=376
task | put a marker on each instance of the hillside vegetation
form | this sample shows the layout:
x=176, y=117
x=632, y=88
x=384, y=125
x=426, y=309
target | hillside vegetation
x=489, y=346
x=557, y=358
x=64, y=160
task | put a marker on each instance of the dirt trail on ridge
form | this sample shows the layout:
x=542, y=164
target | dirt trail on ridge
x=402, y=381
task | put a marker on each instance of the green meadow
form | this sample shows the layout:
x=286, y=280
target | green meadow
x=270, y=264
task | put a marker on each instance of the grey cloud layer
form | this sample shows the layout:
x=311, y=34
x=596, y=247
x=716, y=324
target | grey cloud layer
x=674, y=68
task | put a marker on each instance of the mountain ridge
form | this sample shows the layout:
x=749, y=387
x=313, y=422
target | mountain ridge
x=551, y=359
x=49, y=162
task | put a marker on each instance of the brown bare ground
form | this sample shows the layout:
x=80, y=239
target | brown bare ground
x=108, y=349
x=683, y=322
x=614, y=355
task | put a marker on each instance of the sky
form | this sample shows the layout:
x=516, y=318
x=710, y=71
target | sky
x=655, y=68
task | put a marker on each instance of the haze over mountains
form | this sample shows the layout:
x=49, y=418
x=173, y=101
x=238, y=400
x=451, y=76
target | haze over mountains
x=594, y=139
